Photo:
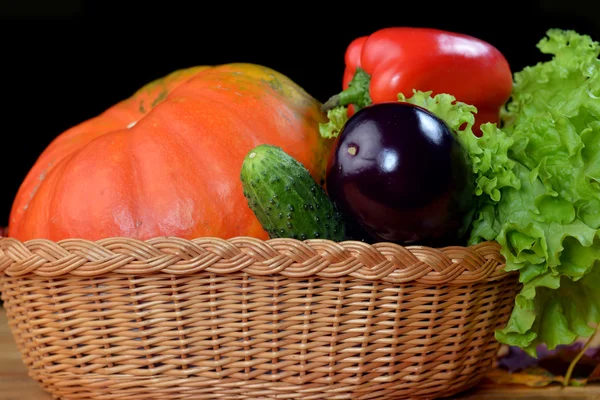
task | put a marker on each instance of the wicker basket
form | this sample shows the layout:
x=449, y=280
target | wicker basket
x=208, y=318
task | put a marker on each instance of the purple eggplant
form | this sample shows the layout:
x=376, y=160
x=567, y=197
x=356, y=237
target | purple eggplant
x=399, y=174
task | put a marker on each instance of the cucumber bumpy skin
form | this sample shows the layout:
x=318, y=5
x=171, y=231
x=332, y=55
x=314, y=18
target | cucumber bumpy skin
x=286, y=199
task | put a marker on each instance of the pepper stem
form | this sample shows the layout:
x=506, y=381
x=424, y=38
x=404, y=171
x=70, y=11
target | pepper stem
x=357, y=93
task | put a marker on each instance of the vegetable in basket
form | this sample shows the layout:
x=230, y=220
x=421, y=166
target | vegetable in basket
x=399, y=174
x=166, y=161
x=286, y=199
x=538, y=188
x=399, y=59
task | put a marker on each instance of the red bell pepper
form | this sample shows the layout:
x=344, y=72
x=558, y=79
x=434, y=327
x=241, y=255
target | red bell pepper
x=398, y=60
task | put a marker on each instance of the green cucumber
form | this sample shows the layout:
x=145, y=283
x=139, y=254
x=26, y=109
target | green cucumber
x=286, y=199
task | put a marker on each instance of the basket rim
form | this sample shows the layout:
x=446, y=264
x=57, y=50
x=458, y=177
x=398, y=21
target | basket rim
x=290, y=258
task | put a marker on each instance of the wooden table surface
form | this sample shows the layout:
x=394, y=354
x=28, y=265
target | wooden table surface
x=15, y=384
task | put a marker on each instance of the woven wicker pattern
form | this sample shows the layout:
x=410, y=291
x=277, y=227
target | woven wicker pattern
x=290, y=258
x=208, y=318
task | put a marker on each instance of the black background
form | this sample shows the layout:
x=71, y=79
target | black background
x=62, y=62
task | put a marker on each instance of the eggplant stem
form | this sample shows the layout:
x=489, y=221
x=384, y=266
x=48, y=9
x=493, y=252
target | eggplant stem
x=573, y=363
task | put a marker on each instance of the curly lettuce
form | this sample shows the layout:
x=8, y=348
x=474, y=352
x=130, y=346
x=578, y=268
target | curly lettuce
x=548, y=228
x=336, y=118
x=538, y=182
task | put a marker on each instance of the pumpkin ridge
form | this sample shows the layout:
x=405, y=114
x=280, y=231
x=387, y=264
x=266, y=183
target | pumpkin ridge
x=135, y=182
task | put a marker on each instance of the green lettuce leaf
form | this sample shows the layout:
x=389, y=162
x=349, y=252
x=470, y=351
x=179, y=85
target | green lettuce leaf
x=548, y=226
x=538, y=182
x=337, y=117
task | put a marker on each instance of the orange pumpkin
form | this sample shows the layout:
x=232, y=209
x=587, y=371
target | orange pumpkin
x=166, y=161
